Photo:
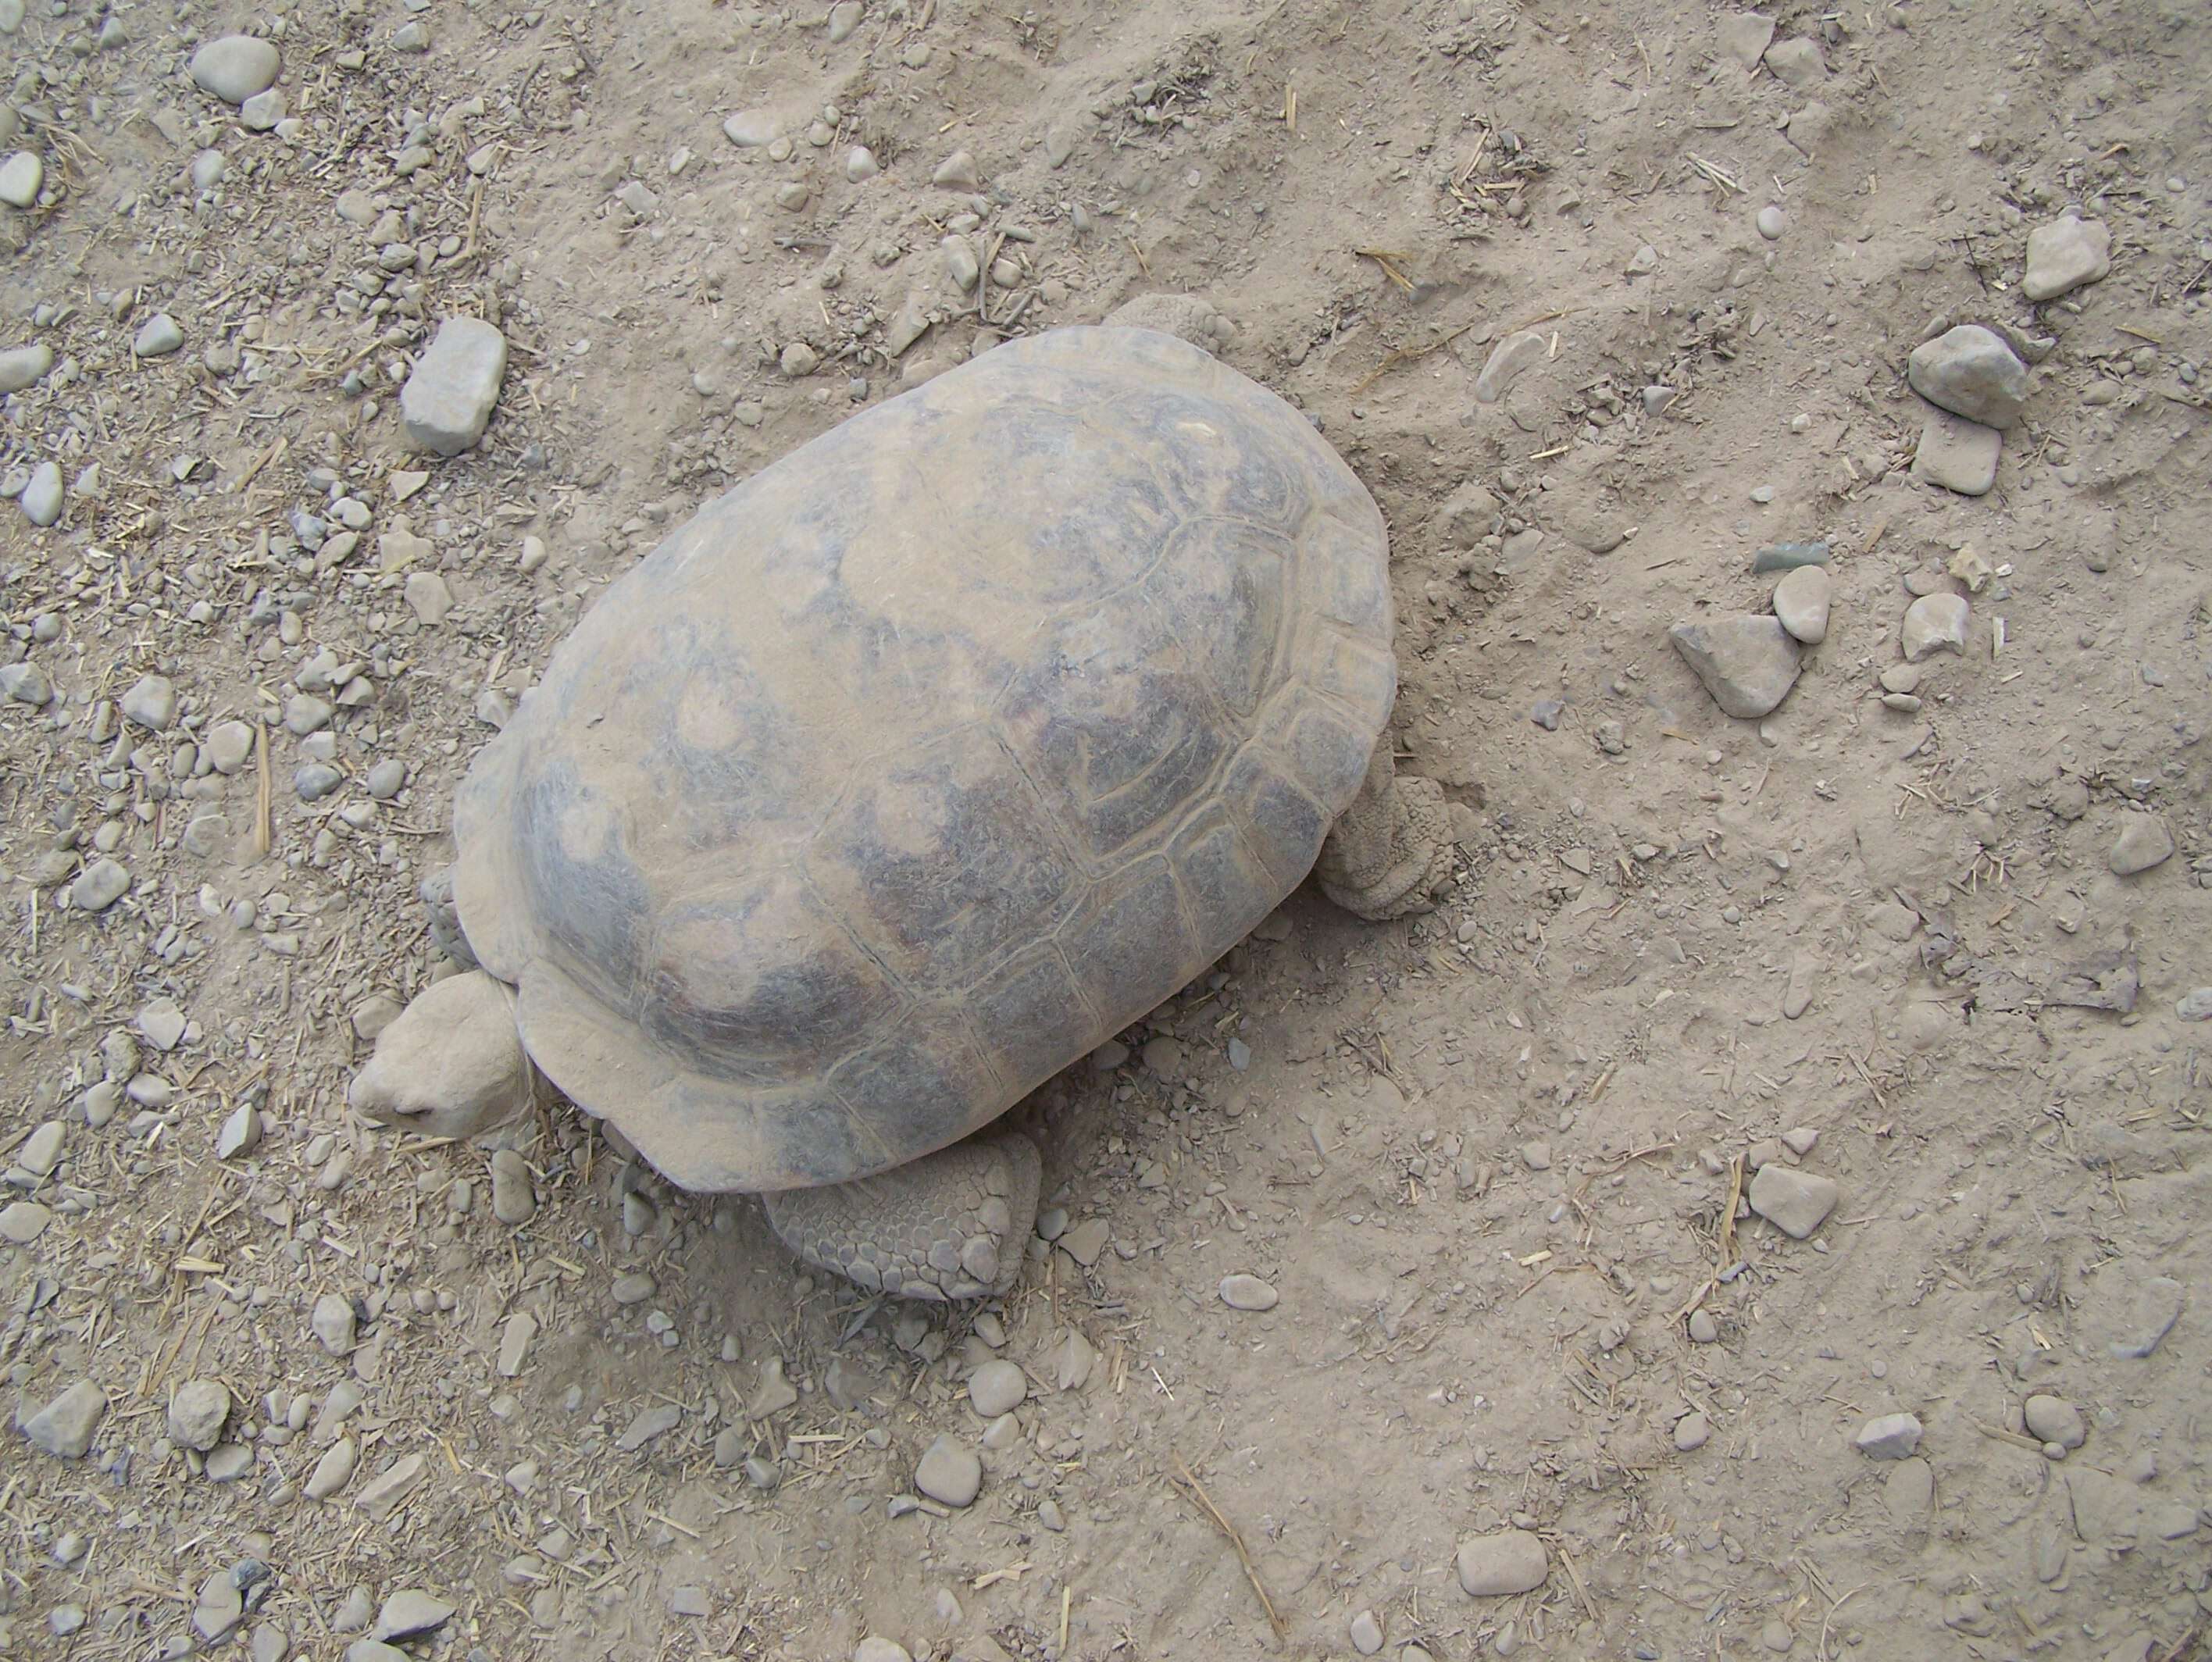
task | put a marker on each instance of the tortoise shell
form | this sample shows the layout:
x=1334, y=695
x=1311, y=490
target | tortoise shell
x=929, y=757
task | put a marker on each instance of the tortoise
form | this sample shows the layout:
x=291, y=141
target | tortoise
x=909, y=772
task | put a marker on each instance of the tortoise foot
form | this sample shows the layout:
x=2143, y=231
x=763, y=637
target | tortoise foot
x=951, y=1225
x=1389, y=854
x=436, y=891
x=451, y=1064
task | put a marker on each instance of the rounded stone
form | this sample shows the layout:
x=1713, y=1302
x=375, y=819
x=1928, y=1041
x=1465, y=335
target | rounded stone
x=949, y=1473
x=1243, y=1292
x=997, y=1387
x=235, y=67
x=198, y=1409
x=1499, y=1565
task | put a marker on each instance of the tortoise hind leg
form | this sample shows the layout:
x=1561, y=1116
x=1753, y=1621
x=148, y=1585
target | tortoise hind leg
x=951, y=1225
x=1390, y=851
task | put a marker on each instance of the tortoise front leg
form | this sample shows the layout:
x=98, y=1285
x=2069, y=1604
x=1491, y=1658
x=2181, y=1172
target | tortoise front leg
x=1389, y=852
x=951, y=1225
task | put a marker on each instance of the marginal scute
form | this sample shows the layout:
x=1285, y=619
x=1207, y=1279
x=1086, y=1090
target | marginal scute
x=935, y=754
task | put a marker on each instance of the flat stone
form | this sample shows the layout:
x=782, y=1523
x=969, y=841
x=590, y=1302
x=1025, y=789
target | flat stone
x=42, y=497
x=235, y=67
x=228, y=746
x=949, y=1473
x=956, y=173
x=750, y=129
x=1970, y=371
x=1797, y=61
x=1745, y=36
x=381, y=1496
x=1086, y=1241
x=1909, y=1492
x=691, y=1600
x=1500, y=1565
x=1933, y=623
x=633, y=1289
x=650, y=1423
x=228, y=1462
x=158, y=336
x=2054, y=1420
x=25, y=367
x=151, y=702
x=1691, y=1433
x=1243, y=1292
x=26, y=683
x=22, y=1222
x=20, y=177
x=844, y=19
x=513, y=1200
x=41, y=1151
x=375, y=1650
x=198, y=1410
x=1788, y=556
x=1958, y=454
x=333, y=1323
x=1509, y=360
x=1889, y=1437
x=1794, y=1201
x=428, y=597
x=775, y=1393
x=261, y=113
x=514, y=1337
x=221, y=1608
x=876, y=1648
x=1801, y=601
x=1365, y=1632
x=63, y=1427
x=2144, y=841
x=2065, y=254
x=2195, y=1006
x=409, y=1611
x=447, y=401
x=333, y=1470
x=1747, y=664
x=997, y=1387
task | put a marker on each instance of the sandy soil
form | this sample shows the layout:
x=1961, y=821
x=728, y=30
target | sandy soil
x=1495, y=1162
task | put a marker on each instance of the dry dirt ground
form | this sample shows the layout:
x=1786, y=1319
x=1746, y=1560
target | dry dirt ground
x=1490, y=1160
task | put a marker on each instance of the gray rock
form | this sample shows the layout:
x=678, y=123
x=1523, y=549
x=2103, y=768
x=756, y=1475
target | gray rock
x=1745, y=36
x=64, y=1426
x=26, y=683
x=240, y=1133
x=158, y=336
x=42, y=497
x=381, y=1496
x=198, y=1410
x=261, y=113
x=649, y=1423
x=1500, y=1565
x=960, y=262
x=1796, y=63
x=428, y=597
x=1933, y=624
x=1365, y=1632
x=693, y=1600
x=2194, y=1006
x=860, y=164
x=997, y=1387
x=1692, y=1432
x=99, y=886
x=20, y=177
x=42, y=1149
x=409, y=1611
x=1509, y=360
x=312, y=781
x=228, y=746
x=513, y=1200
x=750, y=129
x=22, y=1222
x=235, y=67
x=151, y=702
x=1704, y=1330
x=221, y=1608
x=333, y=1470
x=24, y=367
x=355, y=1613
x=333, y=1323
x=949, y=1473
x=2144, y=841
x=1747, y=664
x=375, y=1650
x=1794, y=1201
x=2055, y=1420
x=956, y=173
x=2064, y=255
x=228, y=1462
x=1890, y=1437
x=514, y=1337
x=1801, y=601
x=1788, y=556
x=387, y=778
x=1958, y=454
x=305, y=713
x=208, y=169
x=1970, y=371
x=634, y=1289
x=876, y=1648
x=447, y=401
x=1770, y=222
